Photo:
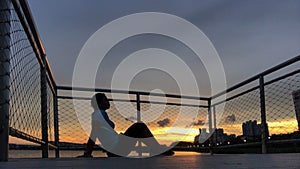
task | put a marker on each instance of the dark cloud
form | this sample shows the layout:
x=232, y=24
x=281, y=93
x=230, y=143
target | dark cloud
x=164, y=122
x=131, y=118
x=198, y=123
x=230, y=118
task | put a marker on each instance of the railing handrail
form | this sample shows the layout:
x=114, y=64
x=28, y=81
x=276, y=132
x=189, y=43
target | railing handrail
x=131, y=92
x=29, y=18
x=135, y=101
x=24, y=13
x=256, y=77
x=257, y=87
x=243, y=83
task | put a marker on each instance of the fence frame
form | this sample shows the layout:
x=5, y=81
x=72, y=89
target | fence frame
x=211, y=107
x=23, y=12
x=137, y=100
x=260, y=78
x=4, y=77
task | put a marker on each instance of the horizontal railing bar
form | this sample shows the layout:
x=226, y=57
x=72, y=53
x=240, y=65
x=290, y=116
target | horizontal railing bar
x=52, y=146
x=130, y=92
x=284, y=141
x=134, y=101
x=220, y=102
x=73, y=98
x=271, y=70
x=235, y=96
x=174, y=104
x=33, y=36
x=258, y=143
x=32, y=26
x=51, y=84
x=19, y=134
x=34, y=31
x=50, y=75
x=238, y=145
x=16, y=133
x=93, y=90
x=257, y=87
x=28, y=33
x=282, y=77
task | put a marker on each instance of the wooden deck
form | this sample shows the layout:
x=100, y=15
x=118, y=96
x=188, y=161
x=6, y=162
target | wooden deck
x=269, y=161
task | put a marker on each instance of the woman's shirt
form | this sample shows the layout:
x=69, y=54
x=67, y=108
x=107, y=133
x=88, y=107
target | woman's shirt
x=106, y=118
x=103, y=129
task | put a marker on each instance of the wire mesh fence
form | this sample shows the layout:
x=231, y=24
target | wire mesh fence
x=23, y=65
x=169, y=123
x=237, y=112
x=281, y=111
x=25, y=82
x=70, y=129
x=237, y=120
x=240, y=118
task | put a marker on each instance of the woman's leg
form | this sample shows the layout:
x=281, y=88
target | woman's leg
x=138, y=130
x=89, y=149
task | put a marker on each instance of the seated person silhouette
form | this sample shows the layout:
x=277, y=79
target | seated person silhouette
x=118, y=144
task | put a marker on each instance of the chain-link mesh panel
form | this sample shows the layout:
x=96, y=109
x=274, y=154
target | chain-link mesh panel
x=158, y=117
x=281, y=115
x=238, y=111
x=70, y=129
x=25, y=103
x=121, y=114
x=173, y=123
x=73, y=130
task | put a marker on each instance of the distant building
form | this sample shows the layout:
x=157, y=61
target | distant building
x=251, y=129
x=220, y=135
x=296, y=98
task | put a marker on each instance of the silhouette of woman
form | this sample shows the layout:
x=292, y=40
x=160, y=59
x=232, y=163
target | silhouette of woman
x=117, y=144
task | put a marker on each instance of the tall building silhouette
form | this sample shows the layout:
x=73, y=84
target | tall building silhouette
x=251, y=129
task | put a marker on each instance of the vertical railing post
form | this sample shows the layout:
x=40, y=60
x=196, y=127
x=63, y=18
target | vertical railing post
x=263, y=115
x=44, y=109
x=4, y=77
x=215, y=125
x=56, y=127
x=138, y=107
x=210, y=128
x=138, y=117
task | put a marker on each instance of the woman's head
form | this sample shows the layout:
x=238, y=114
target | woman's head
x=100, y=101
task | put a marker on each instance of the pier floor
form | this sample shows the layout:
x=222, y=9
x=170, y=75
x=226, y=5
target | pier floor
x=226, y=161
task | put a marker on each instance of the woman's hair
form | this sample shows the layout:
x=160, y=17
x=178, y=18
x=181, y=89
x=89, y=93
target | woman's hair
x=100, y=101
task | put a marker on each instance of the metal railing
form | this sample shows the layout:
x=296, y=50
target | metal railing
x=34, y=108
x=265, y=98
x=269, y=102
x=27, y=84
x=127, y=107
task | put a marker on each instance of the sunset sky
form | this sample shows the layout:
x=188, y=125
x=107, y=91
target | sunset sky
x=250, y=37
